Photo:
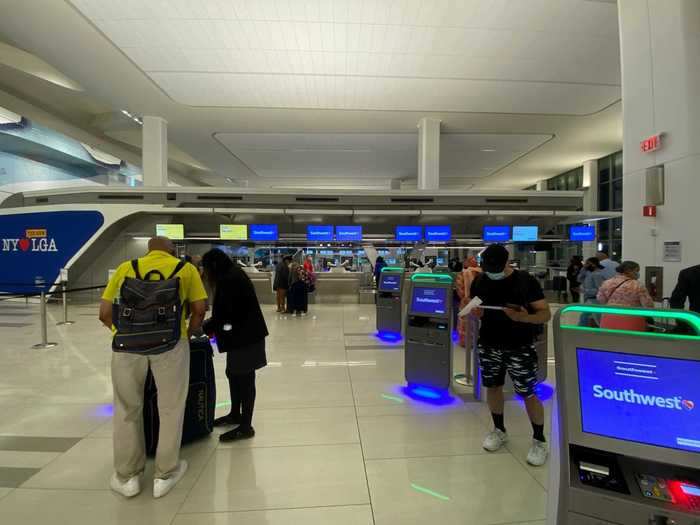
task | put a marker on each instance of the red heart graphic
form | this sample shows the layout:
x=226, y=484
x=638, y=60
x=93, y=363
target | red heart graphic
x=688, y=404
x=24, y=244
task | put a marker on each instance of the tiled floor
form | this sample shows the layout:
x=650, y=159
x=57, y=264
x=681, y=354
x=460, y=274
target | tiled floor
x=337, y=441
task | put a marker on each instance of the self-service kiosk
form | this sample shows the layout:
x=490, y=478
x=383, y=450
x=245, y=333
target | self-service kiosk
x=428, y=347
x=626, y=429
x=389, y=302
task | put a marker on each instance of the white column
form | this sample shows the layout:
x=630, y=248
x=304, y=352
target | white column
x=541, y=185
x=660, y=43
x=590, y=200
x=429, y=154
x=155, y=151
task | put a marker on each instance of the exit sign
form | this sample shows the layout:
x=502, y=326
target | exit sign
x=649, y=211
x=651, y=144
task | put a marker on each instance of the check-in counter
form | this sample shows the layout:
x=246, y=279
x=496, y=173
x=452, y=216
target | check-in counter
x=262, y=281
x=334, y=287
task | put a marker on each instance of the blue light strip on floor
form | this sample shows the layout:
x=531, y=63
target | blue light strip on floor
x=429, y=492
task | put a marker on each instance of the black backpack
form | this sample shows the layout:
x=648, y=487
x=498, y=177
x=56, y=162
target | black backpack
x=148, y=315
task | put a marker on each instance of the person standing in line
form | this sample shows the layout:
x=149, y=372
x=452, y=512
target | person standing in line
x=309, y=264
x=463, y=283
x=591, y=278
x=506, y=344
x=609, y=266
x=238, y=324
x=625, y=290
x=572, y=272
x=687, y=288
x=297, y=299
x=281, y=283
x=379, y=264
x=170, y=369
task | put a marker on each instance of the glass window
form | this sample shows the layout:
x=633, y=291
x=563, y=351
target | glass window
x=617, y=194
x=604, y=197
x=617, y=228
x=617, y=165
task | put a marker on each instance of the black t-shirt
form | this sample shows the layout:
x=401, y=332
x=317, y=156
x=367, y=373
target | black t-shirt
x=497, y=329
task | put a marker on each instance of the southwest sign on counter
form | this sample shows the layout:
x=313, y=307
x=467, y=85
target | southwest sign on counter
x=264, y=232
x=319, y=232
x=348, y=233
x=176, y=232
x=233, y=232
x=438, y=233
x=409, y=233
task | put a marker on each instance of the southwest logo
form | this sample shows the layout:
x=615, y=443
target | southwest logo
x=688, y=404
x=35, y=240
x=635, y=398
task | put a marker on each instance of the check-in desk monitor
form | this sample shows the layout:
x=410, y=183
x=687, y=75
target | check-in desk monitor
x=628, y=420
x=428, y=348
x=389, y=302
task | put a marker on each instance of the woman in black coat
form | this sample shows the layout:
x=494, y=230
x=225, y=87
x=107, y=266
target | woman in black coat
x=239, y=326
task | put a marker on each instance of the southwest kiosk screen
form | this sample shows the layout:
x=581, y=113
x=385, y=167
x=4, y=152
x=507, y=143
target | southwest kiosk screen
x=348, y=233
x=496, y=233
x=431, y=301
x=438, y=233
x=321, y=232
x=645, y=399
x=409, y=233
x=390, y=282
x=263, y=232
x=582, y=233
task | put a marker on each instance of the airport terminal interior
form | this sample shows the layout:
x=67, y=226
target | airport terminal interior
x=445, y=248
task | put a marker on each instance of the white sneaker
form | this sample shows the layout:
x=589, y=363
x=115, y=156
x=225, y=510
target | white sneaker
x=495, y=440
x=161, y=486
x=537, y=456
x=128, y=489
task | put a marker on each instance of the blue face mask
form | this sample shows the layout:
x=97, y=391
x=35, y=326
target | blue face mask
x=496, y=276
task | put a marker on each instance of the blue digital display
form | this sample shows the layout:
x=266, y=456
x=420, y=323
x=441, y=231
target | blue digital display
x=263, y=232
x=409, y=233
x=496, y=233
x=438, y=233
x=348, y=233
x=645, y=399
x=390, y=282
x=428, y=300
x=582, y=233
x=319, y=232
x=525, y=233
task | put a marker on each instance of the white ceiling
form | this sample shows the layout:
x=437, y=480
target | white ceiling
x=508, y=56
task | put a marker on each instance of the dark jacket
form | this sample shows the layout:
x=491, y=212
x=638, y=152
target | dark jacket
x=688, y=287
x=236, y=304
x=281, y=277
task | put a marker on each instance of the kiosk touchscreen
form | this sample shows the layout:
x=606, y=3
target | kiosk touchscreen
x=428, y=348
x=389, y=302
x=627, y=419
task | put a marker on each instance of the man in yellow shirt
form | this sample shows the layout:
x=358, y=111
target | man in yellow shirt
x=170, y=370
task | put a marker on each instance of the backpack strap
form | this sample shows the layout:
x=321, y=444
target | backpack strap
x=180, y=265
x=135, y=266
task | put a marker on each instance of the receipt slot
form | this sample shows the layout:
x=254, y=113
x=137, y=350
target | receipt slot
x=389, y=302
x=428, y=347
x=626, y=428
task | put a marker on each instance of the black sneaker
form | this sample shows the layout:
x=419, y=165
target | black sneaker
x=229, y=419
x=237, y=434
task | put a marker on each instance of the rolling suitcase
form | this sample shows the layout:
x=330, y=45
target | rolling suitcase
x=201, y=398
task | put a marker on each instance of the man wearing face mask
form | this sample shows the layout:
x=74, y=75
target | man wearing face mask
x=506, y=344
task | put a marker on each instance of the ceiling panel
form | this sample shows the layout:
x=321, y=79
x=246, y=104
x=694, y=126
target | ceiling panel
x=535, y=56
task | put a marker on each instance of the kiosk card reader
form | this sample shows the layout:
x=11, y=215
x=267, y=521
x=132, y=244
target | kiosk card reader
x=389, y=303
x=428, y=348
x=626, y=429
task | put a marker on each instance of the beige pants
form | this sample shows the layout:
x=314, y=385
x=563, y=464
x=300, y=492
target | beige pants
x=171, y=371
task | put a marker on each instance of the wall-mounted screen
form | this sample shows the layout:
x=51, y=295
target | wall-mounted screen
x=525, y=233
x=645, y=399
x=409, y=233
x=429, y=300
x=348, y=233
x=263, y=232
x=497, y=233
x=233, y=232
x=438, y=233
x=390, y=282
x=583, y=233
x=319, y=232
x=175, y=232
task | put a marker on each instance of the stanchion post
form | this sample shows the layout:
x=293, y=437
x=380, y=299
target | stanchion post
x=44, y=330
x=64, y=299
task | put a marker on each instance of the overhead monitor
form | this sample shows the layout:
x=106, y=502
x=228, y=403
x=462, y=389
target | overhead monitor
x=264, y=232
x=348, y=233
x=429, y=300
x=175, y=232
x=390, y=282
x=319, y=232
x=639, y=398
x=233, y=232
x=409, y=233
x=438, y=233
x=496, y=233
x=582, y=233
x=525, y=233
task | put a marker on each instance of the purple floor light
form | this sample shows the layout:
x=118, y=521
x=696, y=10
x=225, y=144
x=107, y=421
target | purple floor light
x=388, y=337
x=105, y=410
x=428, y=394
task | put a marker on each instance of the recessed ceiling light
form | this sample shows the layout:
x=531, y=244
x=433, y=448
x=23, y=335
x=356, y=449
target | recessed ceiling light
x=488, y=150
x=229, y=179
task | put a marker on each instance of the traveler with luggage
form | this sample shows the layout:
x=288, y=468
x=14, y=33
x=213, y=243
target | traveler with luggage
x=239, y=326
x=150, y=330
x=281, y=283
x=591, y=278
x=572, y=271
x=298, y=294
x=625, y=290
